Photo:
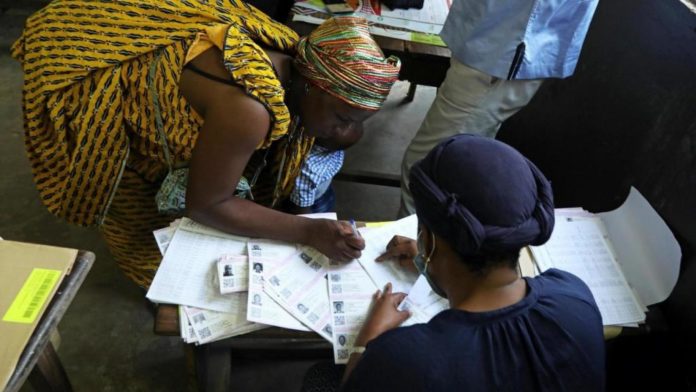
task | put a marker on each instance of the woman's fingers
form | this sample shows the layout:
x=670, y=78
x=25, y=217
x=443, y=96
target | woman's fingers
x=388, y=289
x=398, y=298
x=377, y=295
x=402, y=251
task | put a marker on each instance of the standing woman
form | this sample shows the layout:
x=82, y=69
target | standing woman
x=138, y=112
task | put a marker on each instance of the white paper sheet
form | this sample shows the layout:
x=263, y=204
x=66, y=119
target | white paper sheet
x=186, y=274
x=423, y=303
x=299, y=285
x=232, y=274
x=579, y=247
x=265, y=255
x=209, y=325
x=376, y=241
x=433, y=12
x=429, y=19
x=350, y=286
x=645, y=247
x=164, y=236
x=185, y=327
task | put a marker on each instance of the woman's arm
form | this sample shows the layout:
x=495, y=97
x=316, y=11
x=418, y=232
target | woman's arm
x=383, y=317
x=234, y=125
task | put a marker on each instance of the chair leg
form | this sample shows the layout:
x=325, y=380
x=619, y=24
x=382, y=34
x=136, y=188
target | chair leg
x=49, y=374
x=411, y=92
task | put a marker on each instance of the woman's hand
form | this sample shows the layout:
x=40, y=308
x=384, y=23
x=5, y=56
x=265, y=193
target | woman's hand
x=383, y=315
x=403, y=250
x=335, y=239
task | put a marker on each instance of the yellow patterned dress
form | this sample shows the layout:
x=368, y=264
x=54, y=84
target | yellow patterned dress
x=95, y=71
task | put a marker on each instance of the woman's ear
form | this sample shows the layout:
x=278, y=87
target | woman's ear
x=427, y=239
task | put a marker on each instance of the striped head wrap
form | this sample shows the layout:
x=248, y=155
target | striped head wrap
x=341, y=58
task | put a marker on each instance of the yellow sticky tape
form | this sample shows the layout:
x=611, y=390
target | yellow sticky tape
x=32, y=296
x=430, y=39
x=376, y=224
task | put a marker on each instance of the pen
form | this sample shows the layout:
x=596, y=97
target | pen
x=355, y=228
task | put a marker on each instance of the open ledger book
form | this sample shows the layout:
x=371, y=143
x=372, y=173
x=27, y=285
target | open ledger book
x=628, y=257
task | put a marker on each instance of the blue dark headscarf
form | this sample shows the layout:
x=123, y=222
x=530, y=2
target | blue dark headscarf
x=482, y=195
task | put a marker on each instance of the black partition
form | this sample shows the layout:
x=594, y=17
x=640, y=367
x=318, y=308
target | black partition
x=628, y=117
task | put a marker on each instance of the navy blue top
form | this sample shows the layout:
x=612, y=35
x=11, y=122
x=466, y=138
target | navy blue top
x=552, y=340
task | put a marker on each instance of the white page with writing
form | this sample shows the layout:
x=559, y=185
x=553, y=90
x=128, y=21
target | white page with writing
x=265, y=255
x=579, y=247
x=232, y=274
x=351, y=291
x=376, y=240
x=645, y=247
x=299, y=285
x=185, y=327
x=209, y=325
x=186, y=274
x=422, y=302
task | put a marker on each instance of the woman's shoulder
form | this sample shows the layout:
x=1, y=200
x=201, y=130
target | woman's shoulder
x=561, y=291
x=558, y=281
x=404, y=344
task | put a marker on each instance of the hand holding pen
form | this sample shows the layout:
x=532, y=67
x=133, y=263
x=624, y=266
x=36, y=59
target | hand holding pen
x=355, y=240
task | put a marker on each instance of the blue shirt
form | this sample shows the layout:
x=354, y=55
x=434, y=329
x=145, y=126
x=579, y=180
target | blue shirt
x=546, y=36
x=552, y=340
x=316, y=174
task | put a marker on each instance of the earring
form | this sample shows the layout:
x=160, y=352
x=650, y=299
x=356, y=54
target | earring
x=306, y=88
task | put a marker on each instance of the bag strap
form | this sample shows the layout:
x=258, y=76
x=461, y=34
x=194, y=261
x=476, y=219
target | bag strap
x=156, y=107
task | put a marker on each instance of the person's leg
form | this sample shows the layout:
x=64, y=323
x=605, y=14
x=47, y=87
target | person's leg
x=468, y=101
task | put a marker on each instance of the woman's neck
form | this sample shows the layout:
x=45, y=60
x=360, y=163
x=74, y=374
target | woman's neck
x=294, y=90
x=498, y=288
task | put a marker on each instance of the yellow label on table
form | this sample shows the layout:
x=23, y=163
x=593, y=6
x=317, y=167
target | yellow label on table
x=430, y=39
x=32, y=296
x=376, y=224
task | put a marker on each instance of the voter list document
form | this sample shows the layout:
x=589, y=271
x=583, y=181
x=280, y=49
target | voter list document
x=187, y=273
x=376, y=241
x=265, y=256
x=351, y=292
x=298, y=284
x=579, y=246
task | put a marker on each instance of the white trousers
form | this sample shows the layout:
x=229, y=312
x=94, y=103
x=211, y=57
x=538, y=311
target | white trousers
x=468, y=101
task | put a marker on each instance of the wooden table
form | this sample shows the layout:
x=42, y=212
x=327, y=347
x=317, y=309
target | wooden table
x=39, y=362
x=213, y=361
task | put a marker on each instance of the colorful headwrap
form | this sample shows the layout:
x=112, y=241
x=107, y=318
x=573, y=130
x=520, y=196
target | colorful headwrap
x=480, y=194
x=341, y=58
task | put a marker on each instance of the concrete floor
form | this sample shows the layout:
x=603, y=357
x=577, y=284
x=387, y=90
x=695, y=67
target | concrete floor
x=107, y=340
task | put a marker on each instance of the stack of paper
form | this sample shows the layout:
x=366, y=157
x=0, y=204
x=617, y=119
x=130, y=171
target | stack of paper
x=187, y=276
x=420, y=25
x=287, y=285
x=627, y=257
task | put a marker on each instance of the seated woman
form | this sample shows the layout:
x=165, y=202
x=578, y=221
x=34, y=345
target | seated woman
x=479, y=202
x=209, y=108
